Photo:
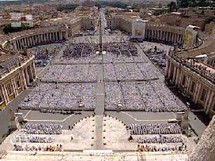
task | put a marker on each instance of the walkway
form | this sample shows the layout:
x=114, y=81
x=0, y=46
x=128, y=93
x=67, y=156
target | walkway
x=99, y=111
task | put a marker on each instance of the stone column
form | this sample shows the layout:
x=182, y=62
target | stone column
x=27, y=77
x=60, y=36
x=31, y=72
x=187, y=84
x=34, y=70
x=50, y=39
x=66, y=35
x=167, y=68
x=6, y=93
x=169, y=71
x=177, y=76
x=5, y=97
x=14, y=45
x=207, y=101
x=24, y=40
x=22, y=80
x=32, y=41
x=174, y=74
x=14, y=86
x=19, y=44
x=197, y=92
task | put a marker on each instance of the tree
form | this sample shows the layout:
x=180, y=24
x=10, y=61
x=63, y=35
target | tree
x=172, y=6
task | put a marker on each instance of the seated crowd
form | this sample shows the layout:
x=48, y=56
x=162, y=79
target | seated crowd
x=43, y=128
x=165, y=128
x=160, y=139
x=38, y=148
x=58, y=97
x=163, y=148
x=34, y=139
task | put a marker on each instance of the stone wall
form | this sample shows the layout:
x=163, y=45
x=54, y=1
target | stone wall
x=205, y=149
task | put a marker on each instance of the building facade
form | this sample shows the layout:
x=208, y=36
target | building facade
x=16, y=74
x=153, y=31
x=17, y=71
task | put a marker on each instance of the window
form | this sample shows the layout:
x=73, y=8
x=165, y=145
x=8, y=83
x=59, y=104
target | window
x=18, y=82
x=193, y=85
x=9, y=89
x=203, y=95
x=184, y=80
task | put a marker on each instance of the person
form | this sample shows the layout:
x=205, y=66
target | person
x=71, y=138
x=69, y=127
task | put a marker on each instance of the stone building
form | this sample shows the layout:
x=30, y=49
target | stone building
x=17, y=72
x=191, y=70
x=153, y=31
x=193, y=73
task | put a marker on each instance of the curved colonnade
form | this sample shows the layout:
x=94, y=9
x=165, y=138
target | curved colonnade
x=153, y=32
x=193, y=76
x=17, y=67
x=164, y=34
x=17, y=70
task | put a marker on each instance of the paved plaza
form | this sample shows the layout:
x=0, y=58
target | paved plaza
x=96, y=100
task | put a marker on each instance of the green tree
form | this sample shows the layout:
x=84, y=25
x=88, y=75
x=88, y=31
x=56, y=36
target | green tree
x=172, y=6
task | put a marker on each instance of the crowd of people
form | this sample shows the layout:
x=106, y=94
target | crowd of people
x=34, y=139
x=165, y=128
x=156, y=52
x=151, y=96
x=89, y=72
x=43, y=128
x=53, y=96
x=43, y=54
x=85, y=53
x=71, y=73
x=160, y=139
x=79, y=73
x=38, y=148
x=163, y=148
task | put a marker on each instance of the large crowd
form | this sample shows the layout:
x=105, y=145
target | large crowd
x=70, y=82
x=43, y=54
x=156, y=52
x=71, y=73
x=89, y=72
x=161, y=128
x=79, y=63
x=85, y=53
x=43, y=128
x=151, y=96
x=52, y=96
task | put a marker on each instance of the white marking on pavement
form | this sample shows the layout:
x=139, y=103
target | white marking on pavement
x=27, y=114
x=52, y=120
x=143, y=120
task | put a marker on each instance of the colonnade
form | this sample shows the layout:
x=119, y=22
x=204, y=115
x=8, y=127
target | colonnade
x=166, y=36
x=212, y=62
x=38, y=39
x=16, y=82
x=198, y=89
